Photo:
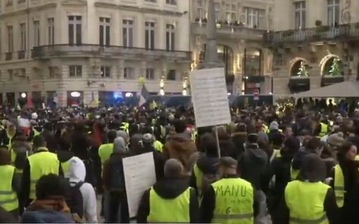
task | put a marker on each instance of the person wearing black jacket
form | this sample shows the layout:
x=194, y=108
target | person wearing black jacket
x=172, y=187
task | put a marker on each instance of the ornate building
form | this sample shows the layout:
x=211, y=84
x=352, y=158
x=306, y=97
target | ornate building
x=315, y=43
x=240, y=28
x=83, y=51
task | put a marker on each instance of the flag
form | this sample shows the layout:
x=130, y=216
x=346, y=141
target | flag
x=144, y=94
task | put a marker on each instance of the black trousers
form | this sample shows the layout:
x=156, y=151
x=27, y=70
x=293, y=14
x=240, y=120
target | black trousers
x=117, y=208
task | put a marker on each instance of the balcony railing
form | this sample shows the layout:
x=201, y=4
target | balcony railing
x=321, y=33
x=229, y=30
x=64, y=50
x=21, y=55
x=8, y=56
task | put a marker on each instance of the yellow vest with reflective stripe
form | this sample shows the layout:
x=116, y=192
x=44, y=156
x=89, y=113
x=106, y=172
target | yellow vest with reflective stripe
x=8, y=197
x=169, y=210
x=339, y=187
x=41, y=163
x=306, y=202
x=158, y=146
x=66, y=168
x=234, y=201
x=323, y=129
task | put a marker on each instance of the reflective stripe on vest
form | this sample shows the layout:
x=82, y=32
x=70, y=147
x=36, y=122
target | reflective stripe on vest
x=169, y=210
x=323, y=129
x=227, y=210
x=305, y=201
x=8, y=197
x=339, y=188
x=38, y=168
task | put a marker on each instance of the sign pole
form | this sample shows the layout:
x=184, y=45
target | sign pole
x=217, y=141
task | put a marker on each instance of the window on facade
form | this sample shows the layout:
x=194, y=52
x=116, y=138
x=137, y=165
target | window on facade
x=36, y=33
x=11, y=74
x=153, y=1
x=171, y=75
x=231, y=12
x=105, y=31
x=10, y=38
x=75, y=71
x=150, y=35
x=201, y=12
x=75, y=30
x=171, y=2
x=9, y=2
x=129, y=73
x=127, y=32
x=52, y=72
x=299, y=13
x=170, y=37
x=50, y=31
x=254, y=18
x=217, y=9
x=150, y=73
x=105, y=71
x=333, y=12
x=22, y=37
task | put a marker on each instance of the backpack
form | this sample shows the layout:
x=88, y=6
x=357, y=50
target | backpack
x=74, y=198
x=117, y=179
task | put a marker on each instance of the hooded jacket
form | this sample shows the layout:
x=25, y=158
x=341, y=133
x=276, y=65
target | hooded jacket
x=169, y=189
x=253, y=164
x=181, y=147
x=78, y=174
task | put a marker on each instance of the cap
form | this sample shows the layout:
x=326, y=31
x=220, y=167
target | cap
x=148, y=138
x=228, y=162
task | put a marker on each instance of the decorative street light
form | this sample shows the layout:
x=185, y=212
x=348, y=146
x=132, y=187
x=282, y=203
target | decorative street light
x=162, y=85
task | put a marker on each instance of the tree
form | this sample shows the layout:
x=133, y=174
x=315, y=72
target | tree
x=335, y=69
x=302, y=71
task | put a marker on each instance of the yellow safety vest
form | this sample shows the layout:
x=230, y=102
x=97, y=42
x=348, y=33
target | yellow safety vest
x=125, y=127
x=36, y=132
x=305, y=201
x=323, y=129
x=169, y=210
x=234, y=201
x=339, y=188
x=38, y=168
x=66, y=168
x=199, y=178
x=8, y=197
x=265, y=128
x=158, y=146
x=105, y=152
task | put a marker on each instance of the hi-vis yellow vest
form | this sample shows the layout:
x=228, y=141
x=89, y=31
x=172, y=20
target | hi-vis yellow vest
x=158, y=146
x=323, y=129
x=234, y=201
x=306, y=202
x=339, y=187
x=105, y=152
x=41, y=163
x=66, y=168
x=293, y=172
x=8, y=197
x=169, y=210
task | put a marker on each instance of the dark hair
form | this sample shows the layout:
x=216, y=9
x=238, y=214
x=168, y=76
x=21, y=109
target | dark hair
x=5, y=156
x=252, y=138
x=209, y=144
x=342, y=151
x=50, y=185
x=313, y=144
x=180, y=126
x=111, y=135
x=38, y=141
x=291, y=145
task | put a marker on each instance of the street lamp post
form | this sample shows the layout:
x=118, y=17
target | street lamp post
x=162, y=85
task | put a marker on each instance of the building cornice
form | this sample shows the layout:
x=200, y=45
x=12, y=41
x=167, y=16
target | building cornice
x=74, y=3
x=137, y=9
x=26, y=10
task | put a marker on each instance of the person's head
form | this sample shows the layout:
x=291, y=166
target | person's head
x=173, y=168
x=287, y=131
x=209, y=144
x=227, y=166
x=291, y=146
x=5, y=156
x=11, y=129
x=38, y=142
x=347, y=151
x=179, y=125
x=119, y=145
x=111, y=135
x=314, y=145
x=49, y=186
x=123, y=135
x=313, y=168
x=252, y=138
